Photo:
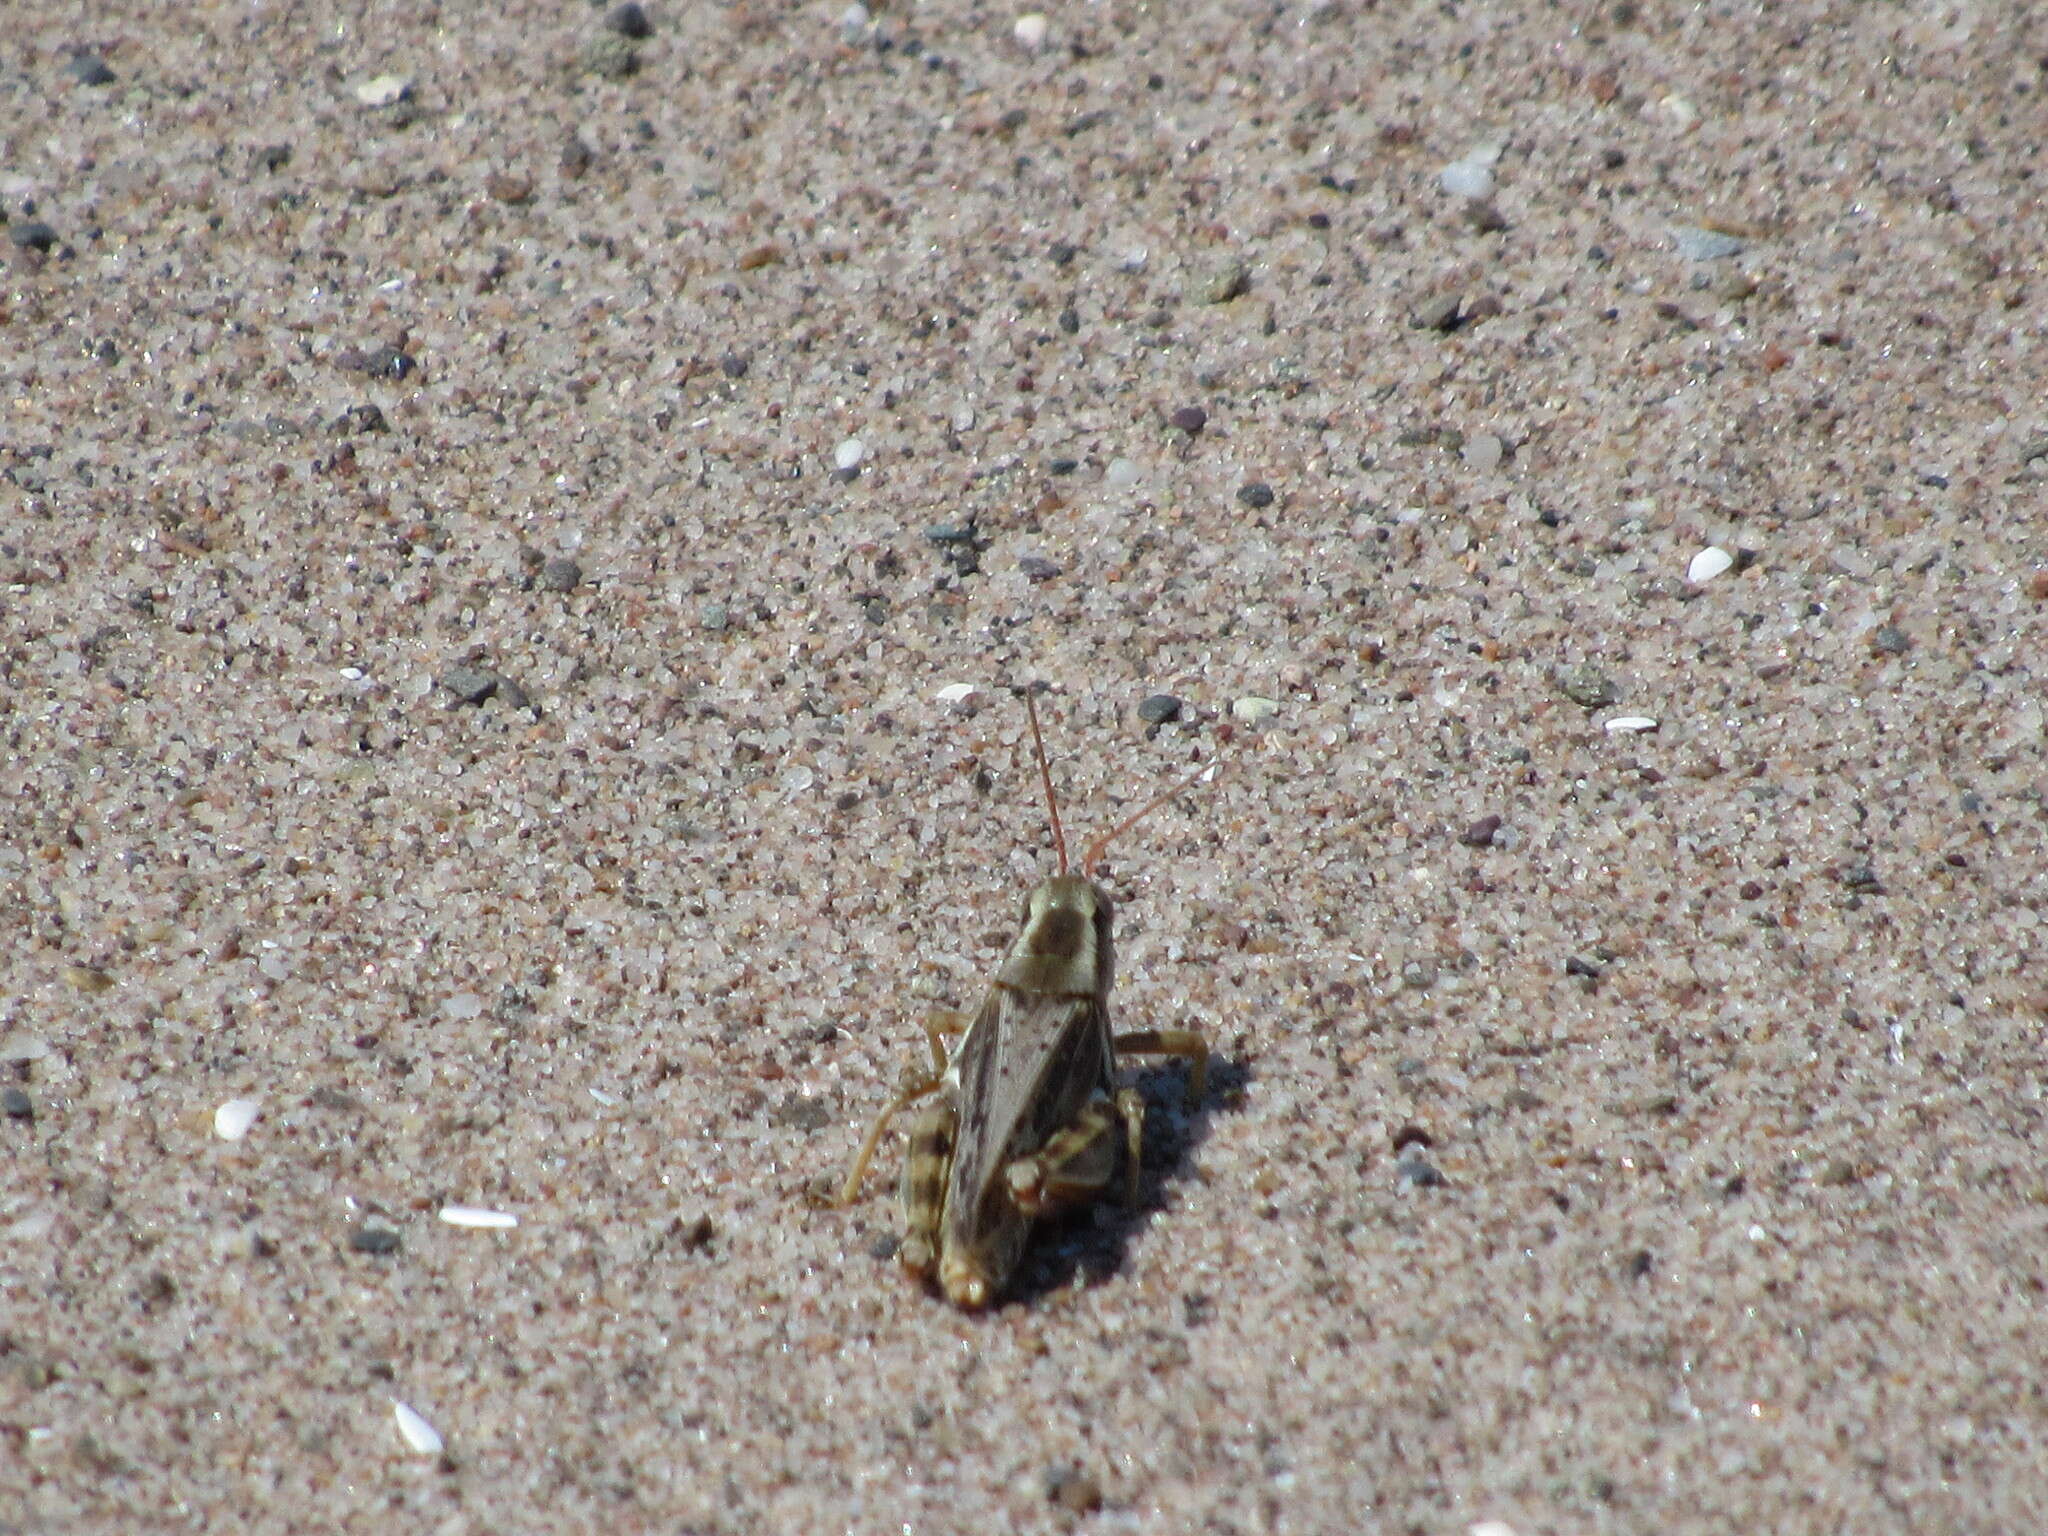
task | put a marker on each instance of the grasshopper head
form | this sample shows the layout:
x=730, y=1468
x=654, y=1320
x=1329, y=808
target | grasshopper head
x=1064, y=946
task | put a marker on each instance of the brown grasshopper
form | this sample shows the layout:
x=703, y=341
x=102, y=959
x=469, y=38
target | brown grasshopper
x=1024, y=1110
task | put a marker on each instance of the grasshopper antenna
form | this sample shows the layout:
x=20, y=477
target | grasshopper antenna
x=1059, y=837
x=1099, y=845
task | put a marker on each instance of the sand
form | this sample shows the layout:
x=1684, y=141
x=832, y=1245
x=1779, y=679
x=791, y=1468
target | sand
x=490, y=509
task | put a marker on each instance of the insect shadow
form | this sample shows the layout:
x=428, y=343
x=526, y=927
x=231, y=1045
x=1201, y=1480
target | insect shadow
x=1087, y=1247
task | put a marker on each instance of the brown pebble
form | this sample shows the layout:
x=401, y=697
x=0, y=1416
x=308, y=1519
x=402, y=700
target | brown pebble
x=1073, y=1490
x=1480, y=833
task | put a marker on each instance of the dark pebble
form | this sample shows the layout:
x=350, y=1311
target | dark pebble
x=883, y=1247
x=1190, y=419
x=1038, y=568
x=1582, y=965
x=950, y=533
x=734, y=365
x=15, y=1102
x=1256, y=494
x=32, y=235
x=1158, y=709
x=629, y=20
x=1063, y=466
x=560, y=575
x=1063, y=252
x=89, y=69
x=377, y=1240
x=1073, y=1490
x=1589, y=687
x=1480, y=833
x=358, y=419
x=1891, y=641
x=470, y=685
x=693, y=1234
x=270, y=158
x=1750, y=891
x=1070, y=321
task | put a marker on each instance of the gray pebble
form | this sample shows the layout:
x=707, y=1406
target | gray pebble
x=1437, y=314
x=629, y=20
x=1417, y=1171
x=950, y=533
x=714, y=616
x=798, y=1113
x=358, y=419
x=1588, y=686
x=1480, y=833
x=1891, y=641
x=1159, y=708
x=376, y=1240
x=561, y=575
x=32, y=234
x=1038, y=568
x=1227, y=280
x=470, y=685
x=16, y=1104
x=1256, y=494
x=89, y=69
x=611, y=56
x=1190, y=419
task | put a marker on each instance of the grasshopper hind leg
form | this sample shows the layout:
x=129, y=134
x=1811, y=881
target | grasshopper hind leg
x=927, y=1169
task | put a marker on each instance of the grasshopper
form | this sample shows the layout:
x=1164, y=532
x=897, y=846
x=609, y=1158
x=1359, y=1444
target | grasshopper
x=1024, y=1111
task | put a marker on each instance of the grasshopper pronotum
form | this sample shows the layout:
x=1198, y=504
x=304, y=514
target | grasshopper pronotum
x=1024, y=1111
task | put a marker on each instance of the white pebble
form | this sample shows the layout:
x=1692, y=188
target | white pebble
x=1466, y=179
x=23, y=1047
x=1252, y=709
x=849, y=454
x=797, y=778
x=854, y=20
x=1623, y=725
x=477, y=1216
x=1708, y=563
x=1031, y=29
x=417, y=1433
x=232, y=1120
x=1121, y=475
x=463, y=1005
x=1492, y=1528
x=957, y=693
x=384, y=91
x=963, y=418
x=1134, y=259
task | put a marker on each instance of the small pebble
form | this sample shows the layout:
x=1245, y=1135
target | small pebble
x=1696, y=244
x=89, y=69
x=1228, y=279
x=1038, y=568
x=1707, y=564
x=1190, y=419
x=1122, y=474
x=384, y=91
x=1627, y=725
x=629, y=20
x=1252, y=710
x=1471, y=175
x=714, y=616
x=1417, y=1171
x=1256, y=494
x=1890, y=640
x=1073, y=1490
x=1436, y=314
x=232, y=1120
x=374, y=1240
x=1588, y=686
x=848, y=455
x=470, y=685
x=1030, y=31
x=561, y=575
x=418, y=1434
x=1584, y=965
x=32, y=234
x=957, y=693
x=360, y=421
x=1483, y=452
x=610, y=57
x=1158, y=708
x=15, y=1104
x=1481, y=833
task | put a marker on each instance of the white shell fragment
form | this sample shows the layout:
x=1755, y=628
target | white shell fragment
x=232, y=1120
x=477, y=1216
x=417, y=1433
x=1624, y=725
x=957, y=693
x=1708, y=563
x=1471, y=175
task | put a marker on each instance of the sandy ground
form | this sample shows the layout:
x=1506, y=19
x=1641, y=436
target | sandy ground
x=480, y=554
